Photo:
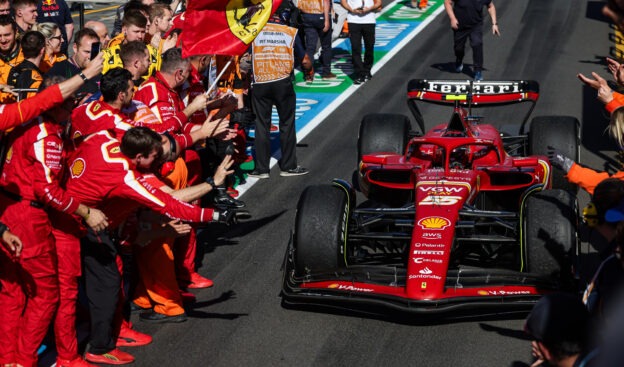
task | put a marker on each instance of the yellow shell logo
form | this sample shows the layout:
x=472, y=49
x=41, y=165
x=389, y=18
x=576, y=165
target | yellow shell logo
x=247, y=17
x=482, y=293
x=434, y=223
x=333, y=286
x=9, y=155
x=77, y=168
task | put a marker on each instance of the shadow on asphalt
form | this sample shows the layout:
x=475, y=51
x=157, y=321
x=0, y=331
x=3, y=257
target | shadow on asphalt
x=195, y=312
x=392, y=316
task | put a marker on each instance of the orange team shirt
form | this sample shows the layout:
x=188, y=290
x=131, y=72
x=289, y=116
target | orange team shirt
x=273, y=53
x=311, y=6
x=588, y=178
x=48, y=61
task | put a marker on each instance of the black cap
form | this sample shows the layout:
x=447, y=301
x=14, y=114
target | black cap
x=558, y=317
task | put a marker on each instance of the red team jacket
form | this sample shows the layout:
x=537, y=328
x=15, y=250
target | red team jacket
x=102, y=177
x=167, y=105
x=33, y=165
x=13, y=114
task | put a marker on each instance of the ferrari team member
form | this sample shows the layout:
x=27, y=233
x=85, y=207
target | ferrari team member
x=29, y=184
x=274, y=53
x=87, y=119
x=12, y=244
x=134, y=24
x=10, y=52
x=160, y=94
x=101, y=155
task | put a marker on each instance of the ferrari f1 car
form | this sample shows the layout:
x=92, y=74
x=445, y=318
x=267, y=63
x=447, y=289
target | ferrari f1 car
x=461, y=216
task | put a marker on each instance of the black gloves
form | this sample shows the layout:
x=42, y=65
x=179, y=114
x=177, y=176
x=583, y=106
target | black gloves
x=225, y=216
x=243, y=116
x=559, y=160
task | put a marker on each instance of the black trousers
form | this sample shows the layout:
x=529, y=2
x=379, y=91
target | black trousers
x=357, y=33
x=264, y=96
x=102, y=283
x=475, y=33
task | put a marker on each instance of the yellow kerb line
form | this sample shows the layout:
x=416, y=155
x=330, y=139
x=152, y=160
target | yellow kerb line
x=96, y=10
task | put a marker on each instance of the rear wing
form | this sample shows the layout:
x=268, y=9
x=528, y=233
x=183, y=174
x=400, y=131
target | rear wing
x=470, y=94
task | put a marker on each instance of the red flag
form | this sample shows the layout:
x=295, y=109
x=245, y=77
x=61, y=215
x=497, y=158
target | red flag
x=224, y=27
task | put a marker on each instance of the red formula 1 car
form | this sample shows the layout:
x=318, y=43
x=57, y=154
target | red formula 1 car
x=462, y=216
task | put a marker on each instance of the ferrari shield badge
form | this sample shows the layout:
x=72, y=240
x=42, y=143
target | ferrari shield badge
x=247, y=17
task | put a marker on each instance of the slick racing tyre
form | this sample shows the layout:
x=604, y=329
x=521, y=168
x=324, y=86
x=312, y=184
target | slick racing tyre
x=321, y=229
x=562, y=133
x=550, y=234
x=383, y=133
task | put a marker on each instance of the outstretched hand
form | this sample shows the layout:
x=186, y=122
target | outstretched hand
x=558, y=159
x=617, y=70
x=605, y=93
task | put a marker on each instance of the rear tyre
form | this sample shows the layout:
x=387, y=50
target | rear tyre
x=550, y=235
x=321, y=229
x=383, y=133
x=562, y=133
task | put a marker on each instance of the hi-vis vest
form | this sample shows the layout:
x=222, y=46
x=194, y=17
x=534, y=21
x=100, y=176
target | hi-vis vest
x=273, y=53
x=310, y=6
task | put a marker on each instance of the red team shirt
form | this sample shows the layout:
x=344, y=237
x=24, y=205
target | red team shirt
x=33, y=165
x=102, y=177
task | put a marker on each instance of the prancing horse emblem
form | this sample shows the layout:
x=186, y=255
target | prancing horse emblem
x=246, y=17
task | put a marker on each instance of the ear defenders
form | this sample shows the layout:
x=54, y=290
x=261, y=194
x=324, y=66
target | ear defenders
x=590, y=215
x=168, y=166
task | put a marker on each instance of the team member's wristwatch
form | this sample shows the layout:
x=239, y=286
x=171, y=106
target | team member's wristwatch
x=3, y=228
x=210, y=181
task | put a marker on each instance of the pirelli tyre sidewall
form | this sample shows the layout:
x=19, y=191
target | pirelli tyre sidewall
x=562, y=133
x=550, y=222
x=321, y=230
x=381, y=133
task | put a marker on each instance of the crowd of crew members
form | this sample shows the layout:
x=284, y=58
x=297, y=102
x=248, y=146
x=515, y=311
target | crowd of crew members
x=104, y=154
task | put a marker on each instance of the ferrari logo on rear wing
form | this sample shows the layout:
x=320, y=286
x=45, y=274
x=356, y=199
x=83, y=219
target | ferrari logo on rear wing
x=468, y=93
x=474, y=93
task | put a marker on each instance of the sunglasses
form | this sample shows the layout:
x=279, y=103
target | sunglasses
x=56, y=38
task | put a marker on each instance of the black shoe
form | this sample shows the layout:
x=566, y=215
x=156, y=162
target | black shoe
x=368, y=76
x=155, y=317
x=297, y=171
x=359, y=80
x=223, y=199
x=258, y=174
x=136, y=308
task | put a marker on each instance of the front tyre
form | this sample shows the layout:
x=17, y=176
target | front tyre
x=550, y=234
x=321, y=229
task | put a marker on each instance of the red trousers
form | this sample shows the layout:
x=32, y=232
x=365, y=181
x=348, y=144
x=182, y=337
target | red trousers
x=69, y=269
x=185, y=250
x=29, y=293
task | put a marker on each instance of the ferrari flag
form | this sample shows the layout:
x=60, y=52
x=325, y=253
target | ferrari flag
x=223, y=27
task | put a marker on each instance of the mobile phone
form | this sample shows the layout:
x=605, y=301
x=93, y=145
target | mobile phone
x=95, y=50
